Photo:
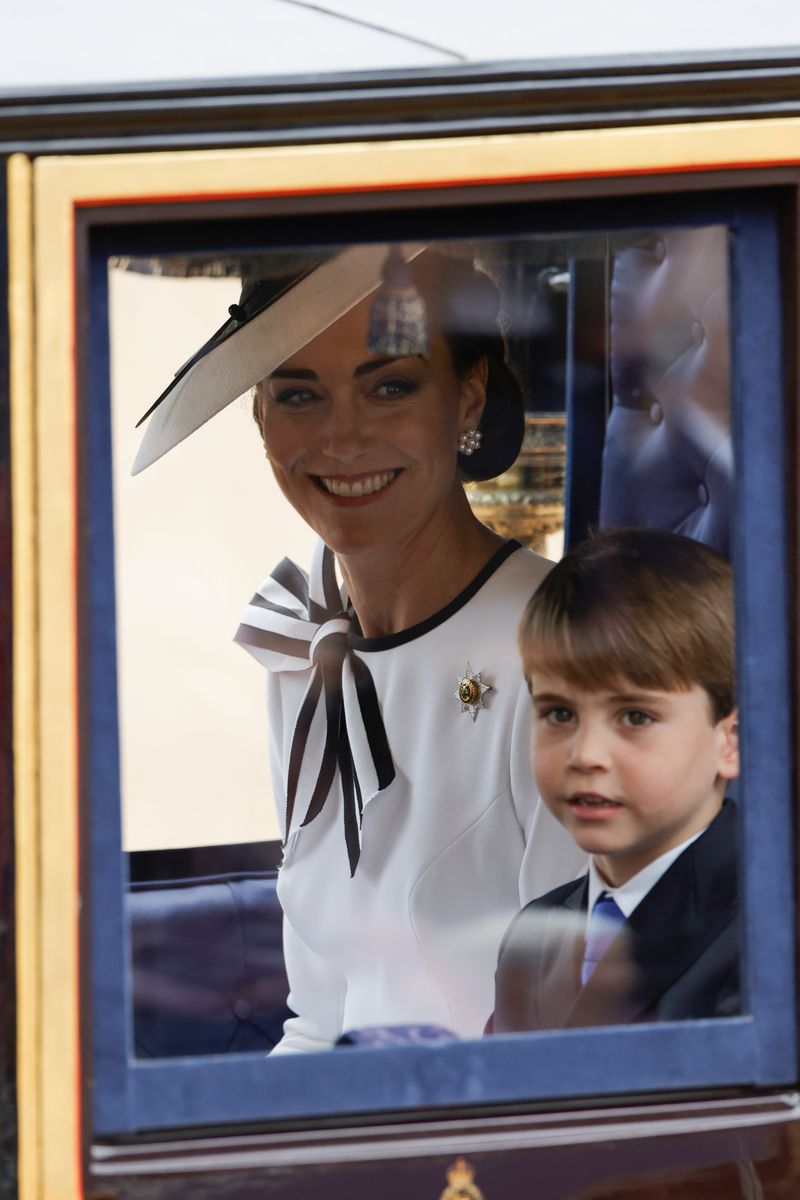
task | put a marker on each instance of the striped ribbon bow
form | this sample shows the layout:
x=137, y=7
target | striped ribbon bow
x=294, y=622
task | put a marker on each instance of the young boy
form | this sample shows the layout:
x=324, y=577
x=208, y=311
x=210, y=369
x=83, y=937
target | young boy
x=628, y=650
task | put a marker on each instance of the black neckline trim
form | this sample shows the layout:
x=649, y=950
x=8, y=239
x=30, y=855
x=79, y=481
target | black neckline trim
x=388, y=641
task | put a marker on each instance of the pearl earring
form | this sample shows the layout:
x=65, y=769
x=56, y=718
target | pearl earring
x=470, y=441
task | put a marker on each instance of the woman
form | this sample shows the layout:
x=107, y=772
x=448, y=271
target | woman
x=398, y=714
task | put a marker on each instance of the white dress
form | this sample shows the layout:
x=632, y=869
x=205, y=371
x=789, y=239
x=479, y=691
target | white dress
x=450, y=849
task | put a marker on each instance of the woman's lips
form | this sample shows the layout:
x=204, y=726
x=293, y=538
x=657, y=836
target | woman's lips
x=359, y=487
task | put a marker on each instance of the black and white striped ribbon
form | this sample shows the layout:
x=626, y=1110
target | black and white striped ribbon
x=296, y=621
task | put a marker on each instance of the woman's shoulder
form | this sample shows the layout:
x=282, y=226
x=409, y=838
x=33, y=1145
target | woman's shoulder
x=522, y=572
x=494, y=600
x=530, y=564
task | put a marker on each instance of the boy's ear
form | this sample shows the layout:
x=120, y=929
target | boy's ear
x=728, y=729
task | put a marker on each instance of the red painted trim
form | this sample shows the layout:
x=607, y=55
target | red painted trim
x=443, y=184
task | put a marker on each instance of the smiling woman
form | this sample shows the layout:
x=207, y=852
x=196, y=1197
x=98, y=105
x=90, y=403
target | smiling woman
x=365, y=451
x=411, y=827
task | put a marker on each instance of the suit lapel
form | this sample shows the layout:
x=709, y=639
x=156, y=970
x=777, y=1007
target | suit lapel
x=558, y=983
x=672, y=928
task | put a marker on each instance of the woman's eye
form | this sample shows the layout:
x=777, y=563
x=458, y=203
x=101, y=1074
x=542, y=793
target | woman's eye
x=635, y=718
x=295, y=397
x=394, y=389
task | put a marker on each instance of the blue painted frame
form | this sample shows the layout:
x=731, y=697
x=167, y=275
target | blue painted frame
x=760, y=1049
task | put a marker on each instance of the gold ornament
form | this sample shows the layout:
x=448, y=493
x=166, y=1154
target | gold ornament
x=470, y=692
x=461, y=1182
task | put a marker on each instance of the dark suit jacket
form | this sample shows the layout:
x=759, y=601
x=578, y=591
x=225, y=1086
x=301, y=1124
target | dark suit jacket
x=676, y=958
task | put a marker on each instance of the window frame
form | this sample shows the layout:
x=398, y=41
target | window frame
x=131, y=1095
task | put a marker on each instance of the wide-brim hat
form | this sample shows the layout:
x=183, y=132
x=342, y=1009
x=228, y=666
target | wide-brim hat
x=272, y=321
x=275, y=317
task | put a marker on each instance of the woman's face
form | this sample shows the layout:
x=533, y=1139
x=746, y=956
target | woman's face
x=363, y=447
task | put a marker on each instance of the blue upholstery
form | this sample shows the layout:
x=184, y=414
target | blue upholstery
x=667, y=459
x=395, y=1035
x=207, y=965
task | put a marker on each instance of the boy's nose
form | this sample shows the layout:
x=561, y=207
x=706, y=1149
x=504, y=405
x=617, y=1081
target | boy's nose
x=589, y=748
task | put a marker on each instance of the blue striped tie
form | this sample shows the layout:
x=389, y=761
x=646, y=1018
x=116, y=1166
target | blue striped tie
x=604, y=926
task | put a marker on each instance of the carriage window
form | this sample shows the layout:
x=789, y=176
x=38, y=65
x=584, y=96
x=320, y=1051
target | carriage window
x=335, y=879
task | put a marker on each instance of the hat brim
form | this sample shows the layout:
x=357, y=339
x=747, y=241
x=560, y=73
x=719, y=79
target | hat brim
x=250, y=352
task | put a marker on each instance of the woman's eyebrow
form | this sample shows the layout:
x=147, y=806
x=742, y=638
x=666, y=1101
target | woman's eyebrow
x=364, y=368
x=298, y=373
x=374, y=364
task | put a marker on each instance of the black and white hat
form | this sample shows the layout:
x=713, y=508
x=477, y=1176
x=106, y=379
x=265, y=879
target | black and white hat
x=275, y=317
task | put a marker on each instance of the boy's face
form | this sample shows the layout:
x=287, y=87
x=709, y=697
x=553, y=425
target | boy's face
x=630, y=772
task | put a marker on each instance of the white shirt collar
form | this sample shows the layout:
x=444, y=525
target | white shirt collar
x=631, y=894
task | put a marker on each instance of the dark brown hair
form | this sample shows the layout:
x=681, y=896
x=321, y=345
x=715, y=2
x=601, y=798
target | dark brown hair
x=643, y=605
x=464, y=305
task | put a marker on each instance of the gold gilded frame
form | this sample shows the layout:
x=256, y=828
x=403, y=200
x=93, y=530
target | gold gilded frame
x=44, y=196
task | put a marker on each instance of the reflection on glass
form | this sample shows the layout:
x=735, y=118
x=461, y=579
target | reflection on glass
x=595, y=371
x=667, y=459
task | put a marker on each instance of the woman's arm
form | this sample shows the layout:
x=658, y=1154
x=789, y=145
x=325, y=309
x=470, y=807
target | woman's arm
x=316, y=995
x=316, y=991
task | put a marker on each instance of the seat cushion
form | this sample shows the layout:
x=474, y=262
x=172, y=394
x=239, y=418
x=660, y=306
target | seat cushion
x=207, y=971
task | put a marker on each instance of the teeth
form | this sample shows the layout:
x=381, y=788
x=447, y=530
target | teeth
x=359, y=487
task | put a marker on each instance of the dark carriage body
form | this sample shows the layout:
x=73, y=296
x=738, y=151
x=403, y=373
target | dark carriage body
x=708, y=1112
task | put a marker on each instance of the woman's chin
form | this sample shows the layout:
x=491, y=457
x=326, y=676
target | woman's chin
x=348, y=543
x=353, y=524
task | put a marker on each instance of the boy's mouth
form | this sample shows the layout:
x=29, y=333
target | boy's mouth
x=592, y=801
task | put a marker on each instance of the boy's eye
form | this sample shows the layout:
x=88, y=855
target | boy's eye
x=636, y=718
x=557, y=716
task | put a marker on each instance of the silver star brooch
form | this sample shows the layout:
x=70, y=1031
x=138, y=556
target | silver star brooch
x=470, y=692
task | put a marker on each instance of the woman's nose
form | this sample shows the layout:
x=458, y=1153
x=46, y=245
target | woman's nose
x=345, y=436
x=589, y=750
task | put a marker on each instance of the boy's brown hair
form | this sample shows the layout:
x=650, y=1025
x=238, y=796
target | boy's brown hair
x=643, y=605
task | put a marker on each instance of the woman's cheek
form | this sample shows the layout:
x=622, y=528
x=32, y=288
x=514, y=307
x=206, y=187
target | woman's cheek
x=283, y=449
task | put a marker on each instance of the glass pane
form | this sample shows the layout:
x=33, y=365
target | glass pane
x=415, y=835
